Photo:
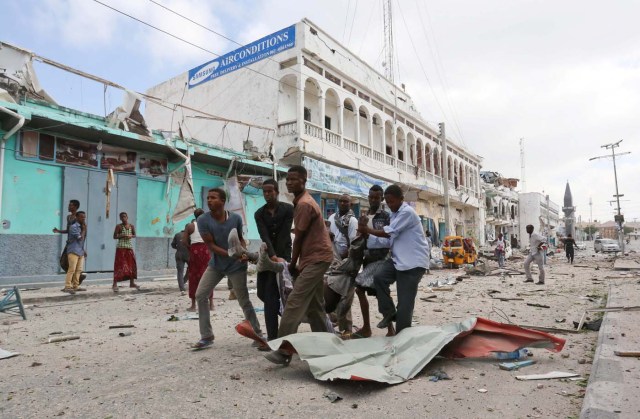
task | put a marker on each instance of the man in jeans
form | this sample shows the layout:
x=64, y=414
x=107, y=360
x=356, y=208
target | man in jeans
x=214, y=227
x=408, y=260
x=77, y=232
x=311, y=256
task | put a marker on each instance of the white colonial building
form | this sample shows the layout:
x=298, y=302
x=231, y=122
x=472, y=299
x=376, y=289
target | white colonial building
x=538, y=210
x=299, y=97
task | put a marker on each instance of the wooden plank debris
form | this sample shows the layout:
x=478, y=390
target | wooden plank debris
x=547, y=376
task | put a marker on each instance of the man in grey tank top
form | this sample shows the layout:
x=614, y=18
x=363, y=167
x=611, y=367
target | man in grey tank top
x=214, y=227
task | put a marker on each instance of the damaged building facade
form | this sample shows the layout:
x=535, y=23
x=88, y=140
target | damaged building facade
x=311, y=101
x=52, y=154
x=501, y=203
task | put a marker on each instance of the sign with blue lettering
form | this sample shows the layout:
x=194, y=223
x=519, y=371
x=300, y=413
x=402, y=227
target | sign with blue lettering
x=326, y=177
x=262, y=48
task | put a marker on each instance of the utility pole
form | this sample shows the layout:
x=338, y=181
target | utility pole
x=522, y=174
x=445, y=179
x=618, y=218
x=388, y=41
x=590, y=218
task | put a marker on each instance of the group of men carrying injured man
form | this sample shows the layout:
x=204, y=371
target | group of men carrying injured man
x=391, y=248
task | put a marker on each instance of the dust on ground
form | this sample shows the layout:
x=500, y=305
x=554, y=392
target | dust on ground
x=153, y=373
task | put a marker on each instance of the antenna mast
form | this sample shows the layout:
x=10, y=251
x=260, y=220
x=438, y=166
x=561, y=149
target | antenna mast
x=388, y=41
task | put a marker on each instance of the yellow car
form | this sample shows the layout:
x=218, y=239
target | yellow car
x=457, y=250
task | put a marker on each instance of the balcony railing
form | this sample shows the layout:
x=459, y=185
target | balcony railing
x=365, y=151
x=331, y=137
x=390, y=160
x=312, y=130
x=287, y=128
x=350, y=145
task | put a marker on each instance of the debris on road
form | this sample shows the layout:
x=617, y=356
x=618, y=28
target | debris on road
x=438, y=375
x=538, y=305
x=627, y=353
x=510, y=366
x=547, y=376
x=7, y=354
x=62, y=338
x=121, y=326
x=332, y=396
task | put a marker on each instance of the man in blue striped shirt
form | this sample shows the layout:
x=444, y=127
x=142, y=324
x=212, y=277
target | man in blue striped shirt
x=408, y=261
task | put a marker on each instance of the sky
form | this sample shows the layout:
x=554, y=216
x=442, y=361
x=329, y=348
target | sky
x=563, y=76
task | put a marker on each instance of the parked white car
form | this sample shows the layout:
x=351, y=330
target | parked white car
x=581, y=246
x=489, y=252
x=606, y=245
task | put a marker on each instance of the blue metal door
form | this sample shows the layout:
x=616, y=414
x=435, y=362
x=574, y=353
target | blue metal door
x=89, y=187
x=76, y=186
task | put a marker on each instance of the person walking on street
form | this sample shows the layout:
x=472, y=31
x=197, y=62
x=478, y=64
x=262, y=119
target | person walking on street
x=199, y=257
x=124, y=265
x=75, y=252
x=182, y=258
x=377, y=249
x=73, y=207
x=274, y=221
x=536, y=252
x=500, y=250
x=214, y=227
x=311, y=256
x=569, y=248
x=429, y=246
x=408, y=261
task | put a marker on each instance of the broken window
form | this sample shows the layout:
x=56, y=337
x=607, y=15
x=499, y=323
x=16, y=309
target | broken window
x=46, y=147
x=29, y=144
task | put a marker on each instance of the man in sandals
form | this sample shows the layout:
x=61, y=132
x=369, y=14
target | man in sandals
x=215, y=227
x=312, y=254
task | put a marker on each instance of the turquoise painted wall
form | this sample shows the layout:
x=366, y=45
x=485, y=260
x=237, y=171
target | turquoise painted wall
x=32, y=195
x=252, y=203
x=32, y=198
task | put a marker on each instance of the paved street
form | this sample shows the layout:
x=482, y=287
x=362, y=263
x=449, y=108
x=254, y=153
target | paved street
x=153, y=373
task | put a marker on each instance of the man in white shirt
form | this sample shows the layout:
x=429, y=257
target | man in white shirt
x=340, y=289
x=536, y=252
x=343, y=226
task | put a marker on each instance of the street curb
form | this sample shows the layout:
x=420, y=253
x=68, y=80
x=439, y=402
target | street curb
x=603, y=397
x=89, y=295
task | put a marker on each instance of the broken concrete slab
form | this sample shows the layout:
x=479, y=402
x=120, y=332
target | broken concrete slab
x=626, y=265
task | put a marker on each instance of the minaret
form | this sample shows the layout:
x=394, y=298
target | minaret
x=569, y=212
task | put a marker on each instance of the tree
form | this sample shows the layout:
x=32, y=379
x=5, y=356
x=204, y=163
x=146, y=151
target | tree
x=590, y=230
x=628, y=230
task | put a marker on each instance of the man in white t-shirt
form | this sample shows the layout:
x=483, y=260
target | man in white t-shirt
x=536, y=252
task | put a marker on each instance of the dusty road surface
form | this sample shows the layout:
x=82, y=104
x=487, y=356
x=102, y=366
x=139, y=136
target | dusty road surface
x=152, y=373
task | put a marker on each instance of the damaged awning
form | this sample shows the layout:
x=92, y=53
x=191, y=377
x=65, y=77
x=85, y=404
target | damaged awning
x=396, y=359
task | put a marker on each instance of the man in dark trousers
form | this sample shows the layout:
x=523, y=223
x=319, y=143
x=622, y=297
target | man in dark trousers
x=311, y=256
x=569, y=248
x=274, y=221
x=408, y=261
x=182, y=257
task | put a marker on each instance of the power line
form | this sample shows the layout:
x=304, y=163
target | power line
x=438, y=65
